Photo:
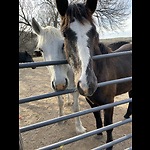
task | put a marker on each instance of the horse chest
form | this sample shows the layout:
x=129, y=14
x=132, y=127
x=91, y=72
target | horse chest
x=103, y=95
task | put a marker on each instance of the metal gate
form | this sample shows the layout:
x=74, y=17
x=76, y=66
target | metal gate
x=58, y=119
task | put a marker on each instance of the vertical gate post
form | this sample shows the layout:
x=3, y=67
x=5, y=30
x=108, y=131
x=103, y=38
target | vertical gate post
x=20, y=141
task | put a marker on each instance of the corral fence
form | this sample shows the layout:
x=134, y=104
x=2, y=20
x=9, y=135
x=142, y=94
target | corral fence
x=58, y=119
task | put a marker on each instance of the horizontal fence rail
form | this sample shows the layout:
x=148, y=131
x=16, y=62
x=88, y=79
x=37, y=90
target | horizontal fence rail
x=76, y=114
x=33, y=98
x=48, y=95
x=60, y=62
x=129, y=148
x=113, y=142
x=79, y=113
x=85, y=135
x=41, y=64
x=110, y=55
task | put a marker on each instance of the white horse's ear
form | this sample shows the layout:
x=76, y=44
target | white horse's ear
x=91, y=5
x=37, y=28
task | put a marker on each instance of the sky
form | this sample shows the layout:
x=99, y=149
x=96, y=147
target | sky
x=126, y=32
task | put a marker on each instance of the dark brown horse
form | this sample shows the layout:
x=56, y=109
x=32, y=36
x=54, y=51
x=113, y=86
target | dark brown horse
x=81, y=43
x=25, y=57
x=116, y=45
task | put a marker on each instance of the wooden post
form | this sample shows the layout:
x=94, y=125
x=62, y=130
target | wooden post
x=20, y=141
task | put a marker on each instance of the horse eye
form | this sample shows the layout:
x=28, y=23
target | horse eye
x=72, y=20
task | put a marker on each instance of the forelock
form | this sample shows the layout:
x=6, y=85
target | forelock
x=78, y=12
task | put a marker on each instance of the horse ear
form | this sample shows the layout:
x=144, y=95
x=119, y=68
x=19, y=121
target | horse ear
x=62, y=6
x=37, y=28
x=91, y=5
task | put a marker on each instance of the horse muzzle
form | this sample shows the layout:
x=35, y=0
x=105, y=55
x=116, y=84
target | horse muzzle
x=60, y=86
x=86, y=90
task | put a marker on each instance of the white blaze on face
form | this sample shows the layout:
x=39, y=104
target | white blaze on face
x=83, y=51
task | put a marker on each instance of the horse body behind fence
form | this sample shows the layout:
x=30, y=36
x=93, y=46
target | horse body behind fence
x=25, y=57
x=116, y=45
x=81, y=42
x=50, y=43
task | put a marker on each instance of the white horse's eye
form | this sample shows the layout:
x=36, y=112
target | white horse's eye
x=63, y=47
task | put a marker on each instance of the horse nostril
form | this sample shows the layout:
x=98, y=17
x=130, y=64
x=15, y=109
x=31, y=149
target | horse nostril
x=79, y=88
x=53, y=85
x=66, y=83
x=78, y=85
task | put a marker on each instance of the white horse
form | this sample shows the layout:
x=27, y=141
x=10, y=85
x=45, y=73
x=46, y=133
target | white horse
x=50, y=43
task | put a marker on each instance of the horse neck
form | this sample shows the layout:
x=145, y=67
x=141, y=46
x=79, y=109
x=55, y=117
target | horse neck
x=100, y=66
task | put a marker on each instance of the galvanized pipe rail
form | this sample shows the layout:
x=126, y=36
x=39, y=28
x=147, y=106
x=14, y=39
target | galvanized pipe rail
x=60, y=62
x=129, y=148
x=113, y=142
x=76, y=114
x=34, y=98
x=85, y=135
x=48, y=122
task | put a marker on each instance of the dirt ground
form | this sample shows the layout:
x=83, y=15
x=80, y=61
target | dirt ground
x=34, y=82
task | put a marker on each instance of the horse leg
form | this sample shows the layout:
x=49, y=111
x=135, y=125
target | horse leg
x=108, y=119
x=76, y=108
x=61, y=107
x=78, y=124
x=129, y=110
x=97, y=116
x=69, y=102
